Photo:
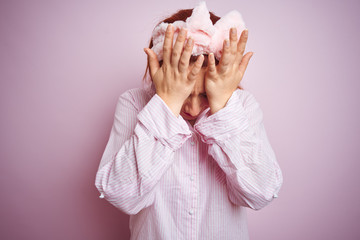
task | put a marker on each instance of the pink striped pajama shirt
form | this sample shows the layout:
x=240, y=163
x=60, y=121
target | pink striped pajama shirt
x=182, y=182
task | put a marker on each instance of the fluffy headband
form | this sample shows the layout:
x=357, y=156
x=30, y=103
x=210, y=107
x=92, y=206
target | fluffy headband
x=208, y=38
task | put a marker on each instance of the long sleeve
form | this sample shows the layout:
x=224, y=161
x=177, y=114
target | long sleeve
x=141, y=147
x=238, y=143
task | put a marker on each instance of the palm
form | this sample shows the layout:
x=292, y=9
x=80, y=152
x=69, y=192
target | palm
x=222, y=80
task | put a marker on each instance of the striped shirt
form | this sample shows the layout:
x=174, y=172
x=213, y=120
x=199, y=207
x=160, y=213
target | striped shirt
x=178, y=181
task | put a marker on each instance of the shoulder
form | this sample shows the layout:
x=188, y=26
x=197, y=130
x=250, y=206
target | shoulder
x=245, y=97
x=249, y=104
x=137, y=97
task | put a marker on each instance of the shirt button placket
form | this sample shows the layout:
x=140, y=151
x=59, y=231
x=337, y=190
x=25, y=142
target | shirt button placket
x=191, y=211
x=194, y=187
x=192, y=178
x=193, y=140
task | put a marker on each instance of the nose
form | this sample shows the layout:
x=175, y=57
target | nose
x=193, y=106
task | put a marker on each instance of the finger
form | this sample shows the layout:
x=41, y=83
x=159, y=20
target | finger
x=168, y=42
x=225, y=59
x=245, y=61
x=178, y=47
x=196, y=68
x=154, y=64
x=211, y=64
x=241, y=46
x=185, y=56
x=233, y=41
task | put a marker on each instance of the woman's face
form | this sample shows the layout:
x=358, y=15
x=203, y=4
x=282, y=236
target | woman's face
x=197, y=100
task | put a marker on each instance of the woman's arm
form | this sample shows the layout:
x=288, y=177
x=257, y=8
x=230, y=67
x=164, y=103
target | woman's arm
x=235, y=131
x=142, y=144
x=238, y=143
x=139, y=151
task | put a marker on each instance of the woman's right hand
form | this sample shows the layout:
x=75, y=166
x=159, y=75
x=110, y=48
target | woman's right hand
x=173, y=80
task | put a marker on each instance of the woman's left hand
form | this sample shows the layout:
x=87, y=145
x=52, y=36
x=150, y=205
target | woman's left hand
x=222, y=80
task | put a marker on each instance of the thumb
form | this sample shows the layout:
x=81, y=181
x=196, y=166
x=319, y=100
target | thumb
x=152, y=60
x=245, y=61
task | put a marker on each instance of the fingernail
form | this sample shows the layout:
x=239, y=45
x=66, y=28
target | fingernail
x=145, y=50
x=189, y=41
x=233, y=30
x=227, y=43
x=182, y=31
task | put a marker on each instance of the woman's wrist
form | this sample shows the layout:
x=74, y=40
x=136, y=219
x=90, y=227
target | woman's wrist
x=173, y=104
x=217, y=104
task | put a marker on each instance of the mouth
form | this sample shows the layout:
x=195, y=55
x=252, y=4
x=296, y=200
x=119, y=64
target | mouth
x=188, y=116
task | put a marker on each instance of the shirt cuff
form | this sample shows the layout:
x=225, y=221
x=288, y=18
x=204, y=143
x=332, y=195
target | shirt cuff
x=161, y=123
x=225, y=123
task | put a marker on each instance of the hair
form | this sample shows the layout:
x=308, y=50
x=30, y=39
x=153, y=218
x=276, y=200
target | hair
x=182, y=15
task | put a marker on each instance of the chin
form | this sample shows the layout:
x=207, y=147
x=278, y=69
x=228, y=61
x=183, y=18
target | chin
x=190, y=120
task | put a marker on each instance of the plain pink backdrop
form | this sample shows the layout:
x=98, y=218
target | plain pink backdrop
x=65, y=63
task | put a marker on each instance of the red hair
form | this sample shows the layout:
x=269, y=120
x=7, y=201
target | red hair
x=182, y=15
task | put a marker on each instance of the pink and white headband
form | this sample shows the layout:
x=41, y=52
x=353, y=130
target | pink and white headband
x=208, y=37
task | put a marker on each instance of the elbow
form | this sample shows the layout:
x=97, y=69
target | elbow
x=130, y=205
x=256, y=199
x=253, y=201
x=262, y=201
x=265, y=197
x=265, y=193
x=123, y=198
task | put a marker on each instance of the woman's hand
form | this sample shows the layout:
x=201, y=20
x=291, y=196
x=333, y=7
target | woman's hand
x=173, y=81
x=222, y=80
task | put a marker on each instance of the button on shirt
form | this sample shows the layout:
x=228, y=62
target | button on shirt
x=182, y=182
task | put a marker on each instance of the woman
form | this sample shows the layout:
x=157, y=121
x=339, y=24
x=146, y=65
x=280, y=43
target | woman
x=188, y=156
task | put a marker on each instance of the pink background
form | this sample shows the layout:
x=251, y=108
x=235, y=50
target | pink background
x=65, y=63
